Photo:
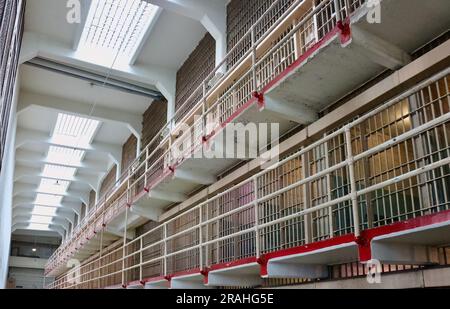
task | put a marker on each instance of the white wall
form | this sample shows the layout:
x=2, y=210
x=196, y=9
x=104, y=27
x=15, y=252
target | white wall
x=28, y=278
x=6, y=190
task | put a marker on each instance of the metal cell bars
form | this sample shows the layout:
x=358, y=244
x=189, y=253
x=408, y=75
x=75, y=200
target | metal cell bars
x=231, y=100
x=237, y=14
x=243, y=87
x=287, y=233
x=326, y=18
x=229, y=228
x=415, y=196
x=278, y=61
x=224, y=219
x=186, y=234
x=296, y=39
x=241, y=90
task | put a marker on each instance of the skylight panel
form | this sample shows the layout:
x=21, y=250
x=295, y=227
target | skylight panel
x=41, y=219
x=44, y=211
x=74, y=131
x=38, y=227
x=57, y=171
x=117, y=27
x=62, y=155
x=48, y=199
x=53, y=186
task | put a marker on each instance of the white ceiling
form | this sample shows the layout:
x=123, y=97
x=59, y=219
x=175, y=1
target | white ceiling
x=43, y=120
x=45, y=82
x=48, y=17
x=171, y=41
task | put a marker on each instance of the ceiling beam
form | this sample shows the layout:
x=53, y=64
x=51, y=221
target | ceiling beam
x=27, y=219
x=24, y=226
x=60, y=212
x=24, y=188
x=55, y=219
x=104, y=114
x=25, y=136
x=88, y=167
x=22, y=172
x=21, y=201
x=38, y=45
x=211, y=14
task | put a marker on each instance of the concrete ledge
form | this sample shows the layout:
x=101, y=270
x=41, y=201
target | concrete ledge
x=428, y=278
x=25, y=262
x=399, y=81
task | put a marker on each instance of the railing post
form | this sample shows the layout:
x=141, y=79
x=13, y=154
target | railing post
x=256, y=209
x=200, y=236
x=328, y=179
x=100, y=256
x=141, y=246
x=165, y=248
x=124, y=246
x=354, y=189
x=204, y=109
x=146, y=166
x=337, y=7
x=254, y=58
x=306, y=199
x=207, y=236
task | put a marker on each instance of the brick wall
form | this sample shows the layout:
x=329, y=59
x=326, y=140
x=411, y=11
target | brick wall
x=154, y=119
x=129, y=152
x=83, y=211
x=150, y=225
x=194, y=70
x=108, y=181
x=241, y=15
x=92, y=196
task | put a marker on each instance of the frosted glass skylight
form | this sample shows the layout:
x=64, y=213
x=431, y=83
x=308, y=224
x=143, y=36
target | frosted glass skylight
x=38, y=226
x=44, y=211
x=48, y=200
x=57, y=171
x=53, y=186
x=70, y=132
x=74, y=131
x=116, y=27
x=41, y=219
x=65, y=156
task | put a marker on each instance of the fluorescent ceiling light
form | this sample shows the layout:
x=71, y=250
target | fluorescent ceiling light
x=44, y=211
x=74, y=131
x=58, y=172
x=48, y=200
x=38, y=226
x=53, y=186
x=67, y=156
x=117, y=28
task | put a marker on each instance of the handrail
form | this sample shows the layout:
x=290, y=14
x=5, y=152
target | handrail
x=170, y=124
x=257, y=199
x=100, y=208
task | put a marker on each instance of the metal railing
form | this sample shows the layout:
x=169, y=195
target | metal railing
x=389, y=165
x=166, y=151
